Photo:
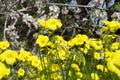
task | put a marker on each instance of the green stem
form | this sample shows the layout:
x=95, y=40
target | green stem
x=67, y=72
x=59, y=62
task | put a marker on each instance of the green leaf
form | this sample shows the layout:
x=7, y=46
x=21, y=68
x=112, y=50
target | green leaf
x=78, y=56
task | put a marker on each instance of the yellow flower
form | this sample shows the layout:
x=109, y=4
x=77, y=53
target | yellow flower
x=72, y=42
x=116, y=59
x=79, y=74
x=42, y=40
x=52, y=51
x=109, y=36
x=114, y=26
x=52, y=45
x=59, y=40
x=9, y=56
x=78, y=79
x=101, y=67
x=75, y=67
x=62, y=54
x=104, y=28
x=106, y=22
x=4, y=45
x=115, y=45
x=111, y=26
x=96, y=44
x=32, y=57
x=10, y=61
x=35, y=62
x=0, y=50
x=21, y=72
x=42, y=77
x=53, y=24
x=3, y=70
x=24, y=55
x=87, y=44
x=80, y=39
x=113, y=68
x=55, y=67
x=84, y=50
x=107, y=54
x=113, y=63
x=56, y=76
x=94, y=76
x=97, y=55
x=40, y=68
x=77, y=40
x=70, y=73
x=41, y=22
x=37, y=78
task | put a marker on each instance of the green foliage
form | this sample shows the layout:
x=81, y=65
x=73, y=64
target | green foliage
x=117, y=7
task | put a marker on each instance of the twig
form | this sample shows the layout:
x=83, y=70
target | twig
x=4, y=33
x=73, y=34
x=15, y=22
x=84, y=6
x=24, y=9
x=88, y=13
x=17, y=2
x=63, y=31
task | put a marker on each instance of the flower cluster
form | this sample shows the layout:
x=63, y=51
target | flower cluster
x=4, y=45
x=113, y=59
x=54, y=58
x=4, y=71
x=111, y=26
x=51, y=23
x=99, y=49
